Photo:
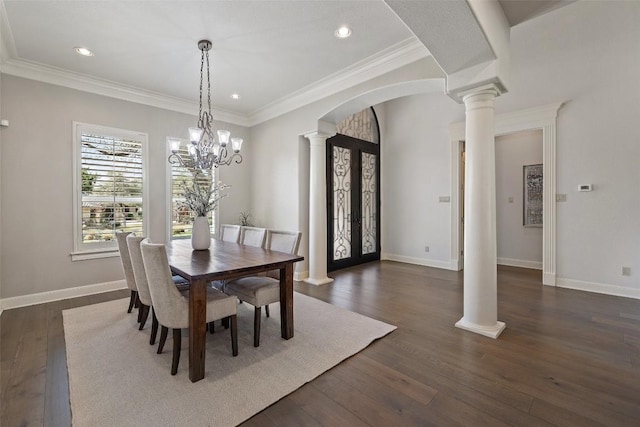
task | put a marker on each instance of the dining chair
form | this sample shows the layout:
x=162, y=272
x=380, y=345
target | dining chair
x=261, y=291
x=253, y=236
x=172, y=307
x=230, y=233
x=121, y=238
x=133, y=243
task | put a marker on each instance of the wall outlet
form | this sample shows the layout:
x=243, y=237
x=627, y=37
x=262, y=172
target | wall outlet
x=626, y=271
x=561, y=197
x=510, y=199
x=426, y=248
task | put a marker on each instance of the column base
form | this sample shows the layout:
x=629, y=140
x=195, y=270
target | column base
x=488, y=331
x=318, y=282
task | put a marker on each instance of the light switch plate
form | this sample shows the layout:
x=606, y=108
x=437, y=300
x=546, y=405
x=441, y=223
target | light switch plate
x=561, y=197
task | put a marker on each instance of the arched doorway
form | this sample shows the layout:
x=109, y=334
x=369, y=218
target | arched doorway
x=353, y=196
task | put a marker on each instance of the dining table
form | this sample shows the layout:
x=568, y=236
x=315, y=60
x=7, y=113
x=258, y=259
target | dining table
x=225, y=261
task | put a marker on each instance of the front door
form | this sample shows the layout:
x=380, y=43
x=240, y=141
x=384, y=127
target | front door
x=353, y=205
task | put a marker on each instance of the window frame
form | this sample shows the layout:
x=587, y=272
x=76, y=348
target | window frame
x=169, y=195
x=81, y=251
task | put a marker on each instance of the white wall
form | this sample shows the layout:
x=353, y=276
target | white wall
x=279, y=181
x=37, y=234
x=415, y=173
x=517, y=245
x=588, y=54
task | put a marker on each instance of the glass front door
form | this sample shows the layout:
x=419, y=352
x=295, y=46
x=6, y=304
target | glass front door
x=353, y=205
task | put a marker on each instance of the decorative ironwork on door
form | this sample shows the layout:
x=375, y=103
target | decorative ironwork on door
x=341, y=203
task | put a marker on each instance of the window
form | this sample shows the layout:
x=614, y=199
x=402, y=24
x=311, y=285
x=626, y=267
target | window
x=109, y=188
x=180, y=217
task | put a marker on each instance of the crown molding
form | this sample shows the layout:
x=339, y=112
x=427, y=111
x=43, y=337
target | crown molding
x=60, y=77
x=392, y=58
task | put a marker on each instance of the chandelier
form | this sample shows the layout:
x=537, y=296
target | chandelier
x=205, y=151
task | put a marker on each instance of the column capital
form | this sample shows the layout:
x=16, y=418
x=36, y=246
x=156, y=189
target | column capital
x=317, y=136
x=489, y=88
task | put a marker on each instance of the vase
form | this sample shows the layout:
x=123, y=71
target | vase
x=200, y=234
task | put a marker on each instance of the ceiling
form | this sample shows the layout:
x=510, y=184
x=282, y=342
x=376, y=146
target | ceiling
x=266, y=51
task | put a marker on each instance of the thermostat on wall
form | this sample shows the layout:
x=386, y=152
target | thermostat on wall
x=585, y=187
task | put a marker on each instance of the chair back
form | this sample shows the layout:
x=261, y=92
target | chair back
x=253, y=236
x=121, y=237
x=171, y=307
x=230, y=233
x=133, y=243
x=282, y=241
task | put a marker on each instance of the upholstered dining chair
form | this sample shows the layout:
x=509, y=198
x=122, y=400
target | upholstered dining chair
x=253, y=236
x=172, y=307
x=121, y=238
x=261, y=291
x=230, y=233
x=133, y=243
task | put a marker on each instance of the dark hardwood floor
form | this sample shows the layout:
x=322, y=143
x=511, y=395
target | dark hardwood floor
x=567, y=357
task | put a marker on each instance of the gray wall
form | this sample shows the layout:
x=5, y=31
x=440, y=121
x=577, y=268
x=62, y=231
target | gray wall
x=36, y=227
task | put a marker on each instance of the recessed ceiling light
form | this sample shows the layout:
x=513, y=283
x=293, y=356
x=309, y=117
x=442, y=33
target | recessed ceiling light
x=343, y=32
x=235, y=96
x=83, y=51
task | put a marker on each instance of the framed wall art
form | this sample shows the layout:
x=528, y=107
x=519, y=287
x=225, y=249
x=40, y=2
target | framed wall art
x=532, y=195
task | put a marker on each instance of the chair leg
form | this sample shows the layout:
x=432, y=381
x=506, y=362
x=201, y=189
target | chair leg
x=256, y=327
x=177, y=341
x=163, y=338
x=138, y=305
x=266, y=309
x=144, y=310
x=212, y=328
x=154, y=327
x=234, y=334
x=132, y=301
x=225, y=322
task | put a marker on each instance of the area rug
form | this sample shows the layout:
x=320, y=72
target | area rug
x=117, y=379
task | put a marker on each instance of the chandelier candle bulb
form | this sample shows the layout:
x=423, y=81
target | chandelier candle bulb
x=223, y=137
x=175, y=145
x=236, y=143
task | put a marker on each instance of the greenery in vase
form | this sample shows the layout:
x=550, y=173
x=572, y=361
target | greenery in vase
x=245, y=219
x=202, y=195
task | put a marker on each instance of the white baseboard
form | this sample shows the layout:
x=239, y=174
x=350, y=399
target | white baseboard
x=599, y=288
x=42, y=297
x=520, y=263
x=446, y=265
x=300, y=276
x=548, y=279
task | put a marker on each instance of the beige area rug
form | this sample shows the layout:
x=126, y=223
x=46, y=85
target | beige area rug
x=117, y=379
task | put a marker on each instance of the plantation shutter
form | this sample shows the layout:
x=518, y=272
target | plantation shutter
x=112, y=187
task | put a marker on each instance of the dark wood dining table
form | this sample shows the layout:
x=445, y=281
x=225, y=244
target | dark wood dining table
x=224, y=261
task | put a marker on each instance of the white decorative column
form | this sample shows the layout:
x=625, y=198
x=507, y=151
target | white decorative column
x=480, y=247
x=318, y=209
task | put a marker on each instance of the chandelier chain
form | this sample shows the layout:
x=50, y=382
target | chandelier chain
x=201, y=78
x=208, y=83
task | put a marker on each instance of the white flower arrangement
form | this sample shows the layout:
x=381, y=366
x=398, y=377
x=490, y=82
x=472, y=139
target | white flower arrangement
x=201, y=197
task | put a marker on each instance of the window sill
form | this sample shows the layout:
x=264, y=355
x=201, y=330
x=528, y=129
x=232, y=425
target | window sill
x=86, y=255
